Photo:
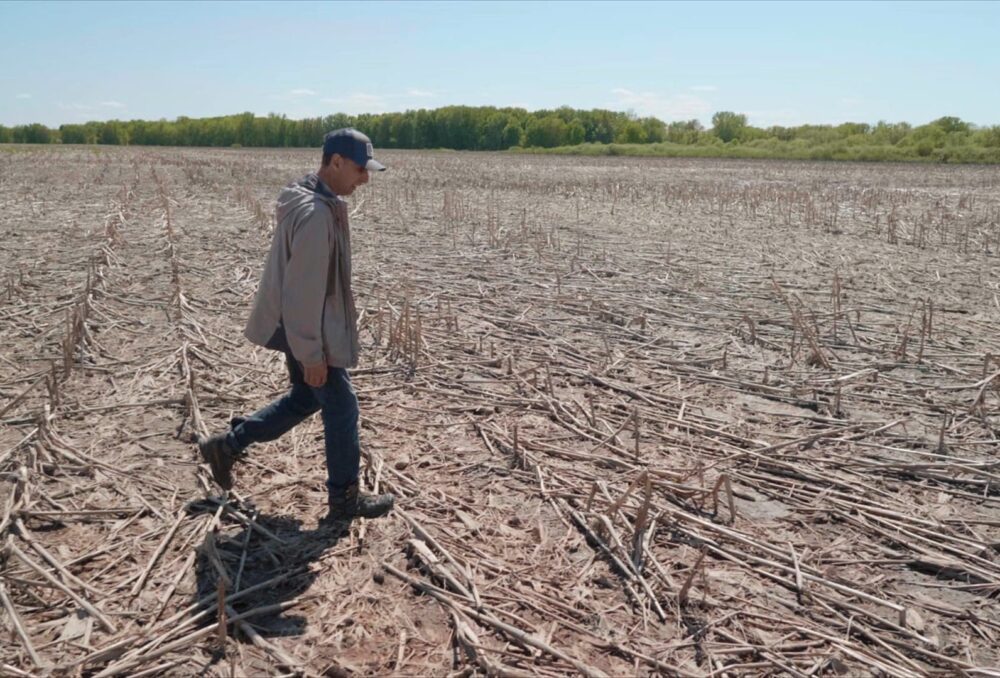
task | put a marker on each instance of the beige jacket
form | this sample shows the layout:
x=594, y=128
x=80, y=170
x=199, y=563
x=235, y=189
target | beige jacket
x=304, y=303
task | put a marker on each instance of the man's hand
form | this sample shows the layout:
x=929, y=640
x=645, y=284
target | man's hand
x=314, y=375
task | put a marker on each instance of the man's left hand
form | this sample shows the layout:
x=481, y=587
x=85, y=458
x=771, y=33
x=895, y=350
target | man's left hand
x=314, y=375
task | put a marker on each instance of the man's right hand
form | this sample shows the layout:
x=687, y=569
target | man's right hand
x=314, y=375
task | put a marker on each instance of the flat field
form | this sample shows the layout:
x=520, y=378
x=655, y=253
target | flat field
x=642, y=416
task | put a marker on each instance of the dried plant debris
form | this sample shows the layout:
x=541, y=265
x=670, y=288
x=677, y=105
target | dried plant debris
x=642, y=416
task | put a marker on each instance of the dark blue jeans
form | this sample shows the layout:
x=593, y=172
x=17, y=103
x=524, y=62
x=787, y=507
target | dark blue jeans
x=338, y=404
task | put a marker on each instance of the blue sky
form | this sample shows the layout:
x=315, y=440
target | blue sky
x=782, y=63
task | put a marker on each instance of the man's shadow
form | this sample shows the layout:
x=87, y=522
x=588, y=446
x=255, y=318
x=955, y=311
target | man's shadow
x=267, y=561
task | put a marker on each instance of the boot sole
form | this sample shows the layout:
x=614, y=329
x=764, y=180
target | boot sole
x=378, y=514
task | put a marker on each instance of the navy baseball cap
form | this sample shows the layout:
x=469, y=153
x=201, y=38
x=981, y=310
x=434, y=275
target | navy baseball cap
x=350, y=143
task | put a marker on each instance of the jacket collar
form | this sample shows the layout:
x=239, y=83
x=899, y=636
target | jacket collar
x=312, y=182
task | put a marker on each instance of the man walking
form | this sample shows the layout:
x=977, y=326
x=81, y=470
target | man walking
x=305, y=308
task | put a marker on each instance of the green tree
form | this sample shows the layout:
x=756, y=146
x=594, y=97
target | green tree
x=113, y=132
x=727, y=125
x=491, y=130
x=950, y=124
x=182, y=128
x=158, y=133
x=925, y=139
x=274, y=130
x=683, y=132
x=781, y=133
x=513, y=135
x=426, y=130
x=987, y=136
x=850, y=129
x=457, y=127
x=575, y=133
x=381, y=132
x=566, y=114
x=749, y=133
x=601, y=128
x=406, y=135
x=655, y=130
x=73, y=134
x=631, y=132
x=890, y=132
x=546, y=132
x=34, y=133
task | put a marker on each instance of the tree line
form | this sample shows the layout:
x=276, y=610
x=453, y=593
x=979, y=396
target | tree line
x=564, y=129
x=482, y=128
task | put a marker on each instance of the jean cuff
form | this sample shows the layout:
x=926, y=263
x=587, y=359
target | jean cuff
x=337, y=490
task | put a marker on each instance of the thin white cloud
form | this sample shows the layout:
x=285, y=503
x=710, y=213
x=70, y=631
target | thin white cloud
x=112, y=104
x=23, y=96
x=75, y=107
x=302, y=92
x=413, y=92
x=704, y=88
x=664, y=107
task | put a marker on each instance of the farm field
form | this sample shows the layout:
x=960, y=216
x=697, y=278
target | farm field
x=642, y=416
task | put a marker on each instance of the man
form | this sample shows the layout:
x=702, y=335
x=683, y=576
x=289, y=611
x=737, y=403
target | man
x=305, y=308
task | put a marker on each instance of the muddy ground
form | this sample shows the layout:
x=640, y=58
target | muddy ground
x=642, y=416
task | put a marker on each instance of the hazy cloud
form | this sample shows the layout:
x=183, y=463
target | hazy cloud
x=704, y=88
x=353, y=103
x=365, y=102
x=358, y=102
x=81, y=109
x=851, y=102
x=785, y=117
x=23, y=96
x=664, y=107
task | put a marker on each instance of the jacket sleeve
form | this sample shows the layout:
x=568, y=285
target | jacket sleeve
x=303, y=290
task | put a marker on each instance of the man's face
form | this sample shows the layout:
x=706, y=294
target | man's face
x=349, y=175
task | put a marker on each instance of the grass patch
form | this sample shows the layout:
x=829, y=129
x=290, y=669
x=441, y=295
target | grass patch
x=774, y=149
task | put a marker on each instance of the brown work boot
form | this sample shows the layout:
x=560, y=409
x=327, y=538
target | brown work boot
x=220, y=456
x=355, y=504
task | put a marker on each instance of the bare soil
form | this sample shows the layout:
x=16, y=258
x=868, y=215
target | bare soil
x=642, y=416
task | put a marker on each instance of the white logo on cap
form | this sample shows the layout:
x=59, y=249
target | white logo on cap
x=371, y=150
